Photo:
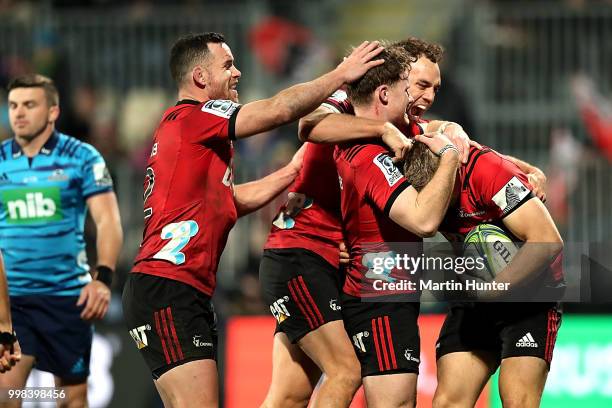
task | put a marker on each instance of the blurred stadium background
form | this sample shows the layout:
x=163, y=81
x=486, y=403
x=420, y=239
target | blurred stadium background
x=532, y=79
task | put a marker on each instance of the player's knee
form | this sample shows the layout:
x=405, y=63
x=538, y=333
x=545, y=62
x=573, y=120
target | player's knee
x=347, y=374
x=446, y=400
x=519, y=400
x=288, y=400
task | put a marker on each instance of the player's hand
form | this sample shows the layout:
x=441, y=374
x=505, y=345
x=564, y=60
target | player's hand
x=397, y=142
x=537, y=179
x=360, y=61
x=434, y=141
x=10, y=354
x=345, y=257
x=96, y=297
x=298, y=159
x=459, y=138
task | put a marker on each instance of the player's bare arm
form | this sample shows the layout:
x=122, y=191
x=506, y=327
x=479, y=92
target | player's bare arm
x=422, y=212
x=535, y=176
x=298, y=100
x=324, y=126
x=10, y=353
x=253, y=195
x=109, y=238
x=532, y=224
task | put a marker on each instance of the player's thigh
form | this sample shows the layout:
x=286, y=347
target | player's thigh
x=467, y=352
x=522, y=380
x=390, y=390
x=171, y=323
x=385, y=335
x=192, y=384
x=528, y=335
x=330, y=348
x=301, y=290
x=75, y=393
x=462, y=377
x=294, y=374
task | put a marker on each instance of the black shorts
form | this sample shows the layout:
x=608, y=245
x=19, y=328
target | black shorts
x=506, y=329
x=385, y=335
x=301, y=288
x=50, y=328
x=171, y=322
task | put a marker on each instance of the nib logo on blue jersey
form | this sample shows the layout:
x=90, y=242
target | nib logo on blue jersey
x=25, y=206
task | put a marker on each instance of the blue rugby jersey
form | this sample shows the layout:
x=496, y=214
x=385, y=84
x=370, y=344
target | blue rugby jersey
x=42, y=214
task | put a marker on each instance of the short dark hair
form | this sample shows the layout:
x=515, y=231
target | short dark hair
x=420, y=165
x=417, y=48
x=37, y=81
x=388, y=73
x=188, y=50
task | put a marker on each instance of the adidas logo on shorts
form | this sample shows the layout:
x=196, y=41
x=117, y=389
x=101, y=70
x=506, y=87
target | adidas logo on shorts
x=527, y=341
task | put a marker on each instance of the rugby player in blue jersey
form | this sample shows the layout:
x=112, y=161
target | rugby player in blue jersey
x=48, y=180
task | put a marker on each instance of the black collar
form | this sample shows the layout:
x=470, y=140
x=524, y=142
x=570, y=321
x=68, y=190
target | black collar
x=187, y=102
x=47, y=148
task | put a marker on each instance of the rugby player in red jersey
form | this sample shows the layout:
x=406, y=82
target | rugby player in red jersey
x=379, y=207
x=478, y=337
x=301, y=282
x=190, y=204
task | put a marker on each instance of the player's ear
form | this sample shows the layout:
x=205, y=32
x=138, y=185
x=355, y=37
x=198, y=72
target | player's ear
x=54, y=112
x=199, y=76
x=382, y=93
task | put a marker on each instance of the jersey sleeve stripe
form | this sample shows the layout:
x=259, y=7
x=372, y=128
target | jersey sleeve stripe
x=102, y=191
x=352, y=152
x=405, y=184
x=472, y=165
x=64, y=146
x=231, y=132
x=73, y=149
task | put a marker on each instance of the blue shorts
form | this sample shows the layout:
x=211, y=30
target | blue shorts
x=50, y=329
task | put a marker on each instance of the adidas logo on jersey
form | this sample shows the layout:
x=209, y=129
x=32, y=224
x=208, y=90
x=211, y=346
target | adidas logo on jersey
x=25, y=205
x=527, y=341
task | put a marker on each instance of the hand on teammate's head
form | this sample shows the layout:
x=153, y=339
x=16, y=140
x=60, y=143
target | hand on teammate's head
x=360, y=61
x=461, y=140
x=435, y=141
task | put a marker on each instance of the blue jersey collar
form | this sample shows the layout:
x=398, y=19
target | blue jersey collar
x=47, y=148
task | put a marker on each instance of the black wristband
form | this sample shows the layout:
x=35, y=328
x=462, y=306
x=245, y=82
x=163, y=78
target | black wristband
x=105, y=275
x=8, y=337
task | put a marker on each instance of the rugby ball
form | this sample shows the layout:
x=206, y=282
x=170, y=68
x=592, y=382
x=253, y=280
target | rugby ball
x=493, y=246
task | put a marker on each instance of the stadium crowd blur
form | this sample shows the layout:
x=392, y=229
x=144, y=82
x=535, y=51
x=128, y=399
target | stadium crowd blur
x=108, y=102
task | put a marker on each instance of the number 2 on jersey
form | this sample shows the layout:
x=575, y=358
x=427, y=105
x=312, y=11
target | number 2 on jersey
x=179, y=234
